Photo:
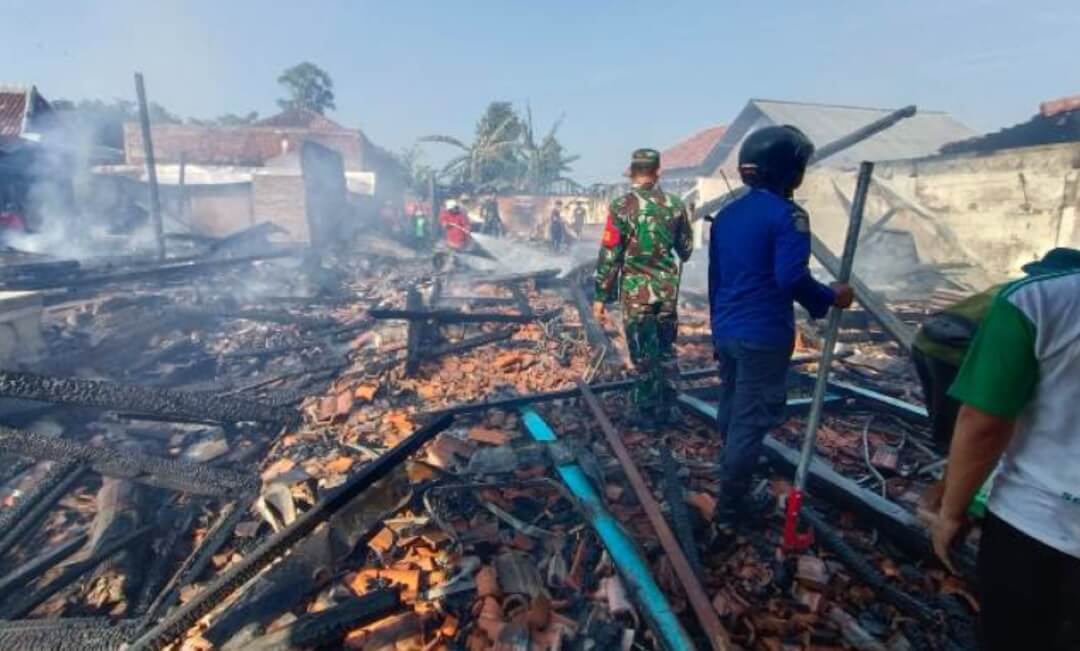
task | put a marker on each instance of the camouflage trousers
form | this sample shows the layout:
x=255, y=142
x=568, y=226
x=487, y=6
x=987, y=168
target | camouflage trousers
x=650, y=335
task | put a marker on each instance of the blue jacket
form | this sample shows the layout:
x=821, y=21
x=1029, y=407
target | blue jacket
x=759, y=254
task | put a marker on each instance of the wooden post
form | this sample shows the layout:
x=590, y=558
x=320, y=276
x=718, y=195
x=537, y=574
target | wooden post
x=181, y=208
x=151, y=168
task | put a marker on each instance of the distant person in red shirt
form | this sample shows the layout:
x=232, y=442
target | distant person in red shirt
x=456, y=224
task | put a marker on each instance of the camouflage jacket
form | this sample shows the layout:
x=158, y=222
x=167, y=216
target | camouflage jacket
x=647, y=234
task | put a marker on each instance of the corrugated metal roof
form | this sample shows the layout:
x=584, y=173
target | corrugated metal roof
x=920, y=135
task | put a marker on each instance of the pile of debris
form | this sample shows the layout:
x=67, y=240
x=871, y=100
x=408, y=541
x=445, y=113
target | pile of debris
x=293, y=454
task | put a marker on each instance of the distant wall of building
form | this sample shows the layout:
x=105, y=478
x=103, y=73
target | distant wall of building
x=993, y=211
x=279, y=198
x=219, y=210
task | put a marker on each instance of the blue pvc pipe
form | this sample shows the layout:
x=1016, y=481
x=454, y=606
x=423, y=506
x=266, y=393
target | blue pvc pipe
x=633, y=568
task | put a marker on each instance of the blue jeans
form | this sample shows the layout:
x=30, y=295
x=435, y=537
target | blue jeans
x=752, y=400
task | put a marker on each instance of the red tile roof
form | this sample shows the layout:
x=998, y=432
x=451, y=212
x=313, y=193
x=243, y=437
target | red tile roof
x=12, y=111
x=691, y=153
x=1056, y=106
x=241, y=145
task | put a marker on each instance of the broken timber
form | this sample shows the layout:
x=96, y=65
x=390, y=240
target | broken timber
x=71, y=573
x=454, y=316
x=150, y=401
x=565, y=394
x=199, y=559
x=329, y=627
x=175, y=474
x=18, y=521
x=28, y=572
x=67, y=634
x=281, y=542
x=695, y=593
x=899, y=524
x=471, y=342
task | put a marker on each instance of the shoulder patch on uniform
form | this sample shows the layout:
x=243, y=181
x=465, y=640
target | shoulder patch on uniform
x=800, y=219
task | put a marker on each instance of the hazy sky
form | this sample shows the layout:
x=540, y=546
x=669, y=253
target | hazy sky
x=626, y=74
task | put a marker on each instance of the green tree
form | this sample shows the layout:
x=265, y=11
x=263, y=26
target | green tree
x=419, y=173
x=545, y=162
x=491, y=159
x=234, y=120
x=308, y=87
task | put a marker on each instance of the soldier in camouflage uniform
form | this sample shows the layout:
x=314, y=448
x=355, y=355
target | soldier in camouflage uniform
x=646, y=240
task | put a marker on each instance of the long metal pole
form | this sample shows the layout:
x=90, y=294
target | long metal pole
x=151, y=167
x=862, y=187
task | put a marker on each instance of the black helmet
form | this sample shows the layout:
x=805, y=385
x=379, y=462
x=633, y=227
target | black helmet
x=775, y=158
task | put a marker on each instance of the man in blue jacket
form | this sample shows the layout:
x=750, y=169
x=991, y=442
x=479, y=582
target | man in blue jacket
x=759, y=256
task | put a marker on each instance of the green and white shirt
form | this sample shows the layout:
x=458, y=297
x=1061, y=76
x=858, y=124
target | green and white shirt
x=1024, y=365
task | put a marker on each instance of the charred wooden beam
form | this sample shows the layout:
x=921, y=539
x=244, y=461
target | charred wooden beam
x=329, y=627
x=414, y=302
x=70, y=574
x=156, y=576
x=199, y=559
x=290, y=582
x=453, y=316
x=283, y=317
x=514, y=402
x=281, y=542
x=184, y=476
x=168, y=271
x=152, y=401
x=31, y=570
x=512, y=279
x=12, y=467
x=467, y=344
x=862, y=568
x=680, y=513
x=895, y=521
x=69, y=634
x=479, y=301
x=20, y=520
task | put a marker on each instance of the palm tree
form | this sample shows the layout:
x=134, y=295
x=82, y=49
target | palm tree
x=545, y=163
x=490, y=160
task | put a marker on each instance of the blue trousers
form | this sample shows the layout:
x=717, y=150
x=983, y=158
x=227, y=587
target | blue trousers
x=752, y=401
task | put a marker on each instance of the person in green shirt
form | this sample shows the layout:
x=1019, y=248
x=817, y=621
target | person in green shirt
x=943, y=341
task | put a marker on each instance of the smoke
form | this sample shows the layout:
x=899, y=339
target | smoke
x=516, y=257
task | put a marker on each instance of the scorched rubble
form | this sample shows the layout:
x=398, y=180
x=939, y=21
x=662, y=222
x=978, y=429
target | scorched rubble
x=471, y=543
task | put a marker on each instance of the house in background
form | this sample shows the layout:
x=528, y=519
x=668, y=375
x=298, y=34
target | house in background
x=924, y=134
x=37, y=162
x=682, y=162
x=230, y=171
x=947, y=207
